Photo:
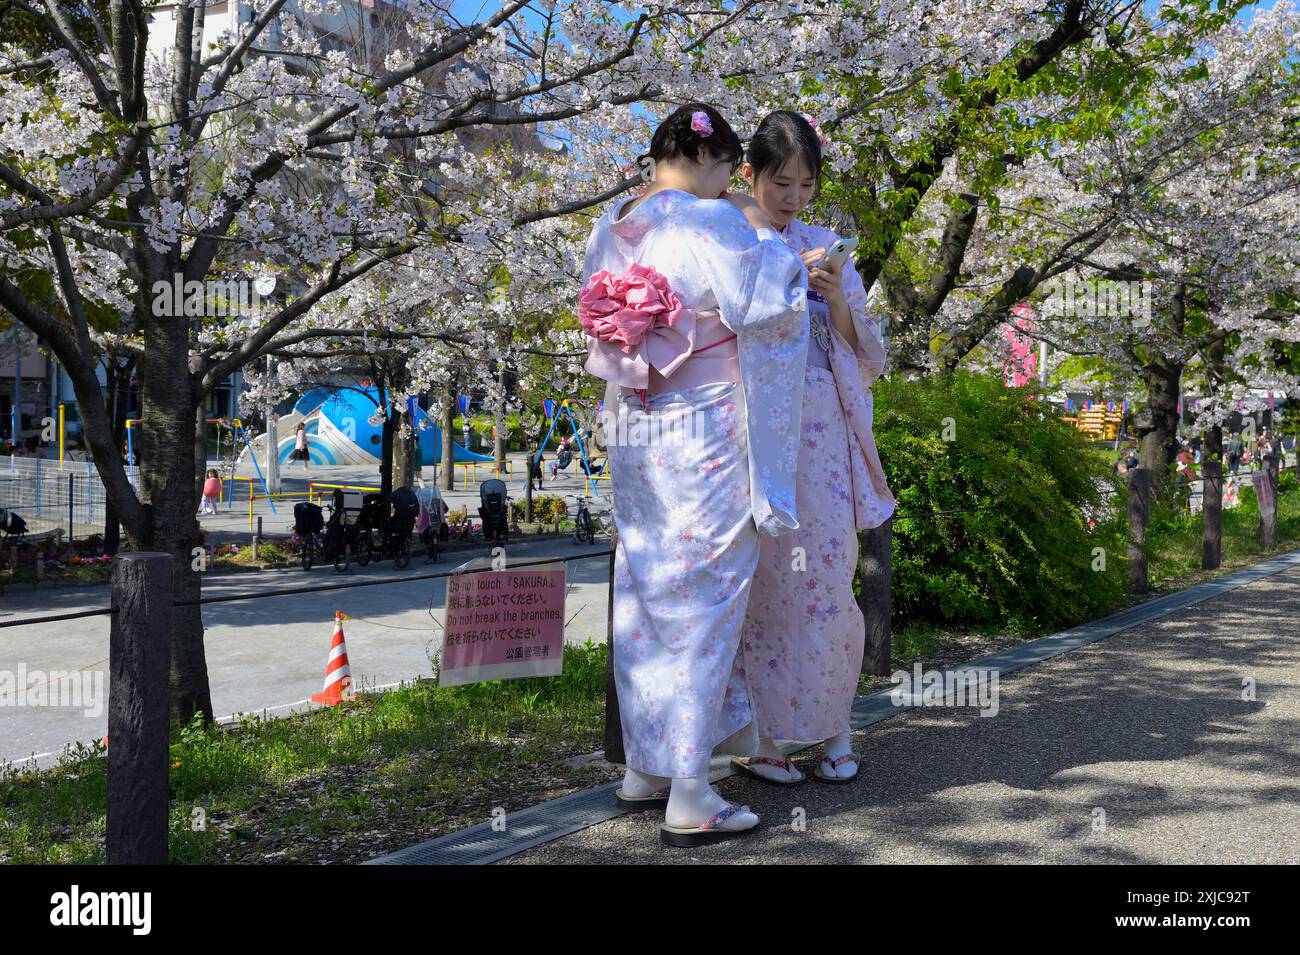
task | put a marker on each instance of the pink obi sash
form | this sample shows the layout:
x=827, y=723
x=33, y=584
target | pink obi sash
x=668, y=358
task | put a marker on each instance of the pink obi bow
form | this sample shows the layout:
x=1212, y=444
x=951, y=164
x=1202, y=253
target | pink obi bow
x=635, y=320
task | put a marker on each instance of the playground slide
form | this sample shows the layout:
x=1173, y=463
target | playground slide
x=339, y=430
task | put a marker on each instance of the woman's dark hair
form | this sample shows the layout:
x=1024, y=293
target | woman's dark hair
x=783, y=135
x=676, y=137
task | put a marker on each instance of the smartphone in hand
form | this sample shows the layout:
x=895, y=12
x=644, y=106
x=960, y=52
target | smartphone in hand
x=838, y=253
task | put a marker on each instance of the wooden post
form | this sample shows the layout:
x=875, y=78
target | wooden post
x=613, y=718
x=1139, y=514
x=1266, y=494
x=1212, y=515
x=139, y=653
x=875, y=567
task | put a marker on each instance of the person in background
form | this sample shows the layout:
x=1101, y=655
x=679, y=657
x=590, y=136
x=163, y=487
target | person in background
x=1233, y=452
x=301, y=452
x=211, y=492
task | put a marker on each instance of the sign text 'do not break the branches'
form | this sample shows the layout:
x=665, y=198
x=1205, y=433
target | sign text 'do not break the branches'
x=502, y=624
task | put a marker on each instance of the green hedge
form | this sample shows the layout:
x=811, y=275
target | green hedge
x=1018, y=553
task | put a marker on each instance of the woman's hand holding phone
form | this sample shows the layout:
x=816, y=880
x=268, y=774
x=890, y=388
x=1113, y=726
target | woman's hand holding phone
x=824, y=279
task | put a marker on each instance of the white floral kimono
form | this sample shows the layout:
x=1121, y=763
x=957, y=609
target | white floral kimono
x=702, y=424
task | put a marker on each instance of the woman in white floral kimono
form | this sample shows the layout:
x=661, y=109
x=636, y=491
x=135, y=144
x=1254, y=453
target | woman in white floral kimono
x=695, y=314
x=804, y=635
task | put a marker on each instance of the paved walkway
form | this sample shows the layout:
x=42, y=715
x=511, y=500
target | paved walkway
x=1148, y=727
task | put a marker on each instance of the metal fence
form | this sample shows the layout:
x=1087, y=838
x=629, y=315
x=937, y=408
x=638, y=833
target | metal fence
x=50, y=496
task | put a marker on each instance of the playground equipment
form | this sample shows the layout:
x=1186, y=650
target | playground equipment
x=339, y=430
x=554, y=414
x=1100, y=421
x=235, y=426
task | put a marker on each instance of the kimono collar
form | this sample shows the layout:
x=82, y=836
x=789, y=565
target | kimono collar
x=792, y=228
x=651, y=211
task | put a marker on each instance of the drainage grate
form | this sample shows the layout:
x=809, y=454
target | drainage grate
x=550, y=820
x=529, y=827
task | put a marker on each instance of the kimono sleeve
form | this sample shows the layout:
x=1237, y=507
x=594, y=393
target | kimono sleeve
x=871, y=346
x=754, y=276
x=761, y=289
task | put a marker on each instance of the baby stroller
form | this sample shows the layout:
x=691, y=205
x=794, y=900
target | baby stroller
x=493, y=510
x=11, y=525
x=432, y=528
x=12, y=529
x=371, y=520
x=308, y=523
x=406, y=508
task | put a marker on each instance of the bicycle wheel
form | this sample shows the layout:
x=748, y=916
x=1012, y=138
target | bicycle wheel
x=341, y=558
x=306, y=554
x=365, y=549
x=402, y=553
x=584, y=522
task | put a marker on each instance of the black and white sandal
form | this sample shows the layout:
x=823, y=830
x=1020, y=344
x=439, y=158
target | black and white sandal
x=708, y=832
x=656, y=800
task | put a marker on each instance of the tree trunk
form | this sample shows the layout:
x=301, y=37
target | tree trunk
x=386, y=432
x=528, y=485
x=1211, y=514
x=614, y=752
x=1156, y=424
x=448, y=475
x=499, y=422
x=170, y=485
x=1212, y=466
x=405, y=450
x=387, y=436
x=875, y=567
x=118, y=378
x=1139, y=515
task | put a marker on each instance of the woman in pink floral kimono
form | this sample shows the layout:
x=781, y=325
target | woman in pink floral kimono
x=695, y=314
x=804, y=634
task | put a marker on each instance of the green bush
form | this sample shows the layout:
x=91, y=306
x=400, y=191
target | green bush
x=1017, y=551
x=546, y=508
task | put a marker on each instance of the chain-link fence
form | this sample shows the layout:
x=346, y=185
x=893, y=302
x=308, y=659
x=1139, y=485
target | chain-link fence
x=54, y=498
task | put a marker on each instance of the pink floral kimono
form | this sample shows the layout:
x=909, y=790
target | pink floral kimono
x=699, y=325
x=804, y=634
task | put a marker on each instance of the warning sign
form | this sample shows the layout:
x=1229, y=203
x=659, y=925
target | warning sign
x=503, y=624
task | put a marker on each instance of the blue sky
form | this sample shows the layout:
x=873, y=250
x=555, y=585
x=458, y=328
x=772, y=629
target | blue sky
x=468, y=10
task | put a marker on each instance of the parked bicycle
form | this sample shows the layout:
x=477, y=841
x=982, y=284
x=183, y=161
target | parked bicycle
x=584, y=527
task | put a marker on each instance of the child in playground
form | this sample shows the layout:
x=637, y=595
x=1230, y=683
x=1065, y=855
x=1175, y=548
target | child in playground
x=211, y=492
x=563, y=457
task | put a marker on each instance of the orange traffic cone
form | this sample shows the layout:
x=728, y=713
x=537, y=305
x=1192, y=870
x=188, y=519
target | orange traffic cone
x=338, y=676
